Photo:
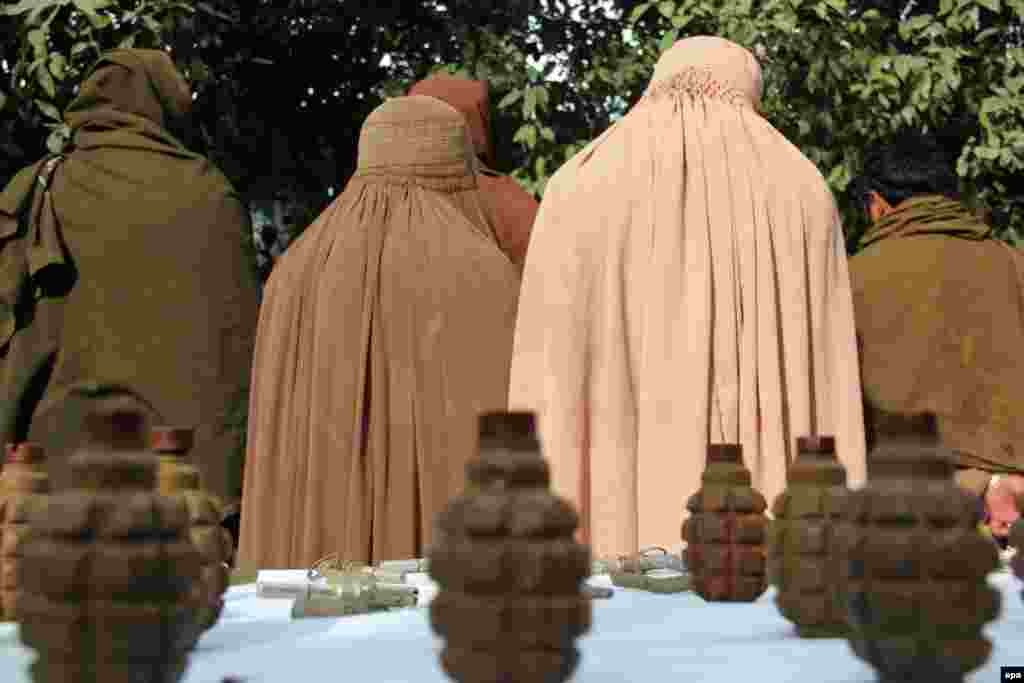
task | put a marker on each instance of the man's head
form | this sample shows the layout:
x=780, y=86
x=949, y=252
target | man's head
x=908, y=165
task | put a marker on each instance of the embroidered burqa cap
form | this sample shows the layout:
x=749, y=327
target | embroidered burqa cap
x=132, y=270
x=687, y=285
x=510, y=208
x=385, y=329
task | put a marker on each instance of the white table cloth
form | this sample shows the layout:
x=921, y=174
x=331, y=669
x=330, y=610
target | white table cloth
x=636, y=636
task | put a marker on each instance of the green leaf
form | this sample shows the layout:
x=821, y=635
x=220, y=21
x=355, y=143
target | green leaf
x=539, y=166
x=58, y=66
x=3, y=99
x=542, y=96
x=986, y=153
x=680, y=20
x=639, y=11
x=530, y=103
x=153, y=25
x=902, y=66
x=34, y=15
x=510, y=99
x=127, y=42
x=992, y=5
x=21, y=7
x=46, y=81
x=837, y=5
x=523, y=132
x=49, y=111
x=91, y=6
x=915, y=25
x=55, y=141
x=668, y=39
x=37, y=39
x=667, y=8
x=548, y=134
x=207, y=8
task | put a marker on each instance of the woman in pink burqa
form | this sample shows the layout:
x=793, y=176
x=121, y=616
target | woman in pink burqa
x=687, y=284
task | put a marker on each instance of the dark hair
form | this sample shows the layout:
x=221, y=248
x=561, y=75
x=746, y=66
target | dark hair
x=907, y=165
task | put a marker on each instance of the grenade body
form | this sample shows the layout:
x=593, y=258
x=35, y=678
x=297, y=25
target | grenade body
x=24, y=483
x=915, y=567
x=802, y=562
x=105, y=583
x=511, y=603
x=726, y=532
x=180, y=480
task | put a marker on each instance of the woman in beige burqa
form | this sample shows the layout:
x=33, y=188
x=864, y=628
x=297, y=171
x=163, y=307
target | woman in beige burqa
x=384, y=331
x=686, y=284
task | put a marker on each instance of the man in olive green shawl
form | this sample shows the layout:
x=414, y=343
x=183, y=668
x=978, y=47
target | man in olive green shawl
x=940, y=318
x=122, y=263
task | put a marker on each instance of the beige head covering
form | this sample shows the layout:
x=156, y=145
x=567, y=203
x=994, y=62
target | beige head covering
x=686, y=284
x=385, y=329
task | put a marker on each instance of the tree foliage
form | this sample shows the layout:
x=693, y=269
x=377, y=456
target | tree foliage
x=283, y=86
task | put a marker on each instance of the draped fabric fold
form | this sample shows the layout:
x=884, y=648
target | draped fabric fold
x=122, y=262
x=940, y=313
x=686, y=285
x=385, y=329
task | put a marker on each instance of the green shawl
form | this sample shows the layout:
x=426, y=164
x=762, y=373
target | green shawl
x=927, y=215
x=122, y=262
x=940, y=317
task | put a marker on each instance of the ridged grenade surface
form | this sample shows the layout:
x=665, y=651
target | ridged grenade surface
x=178, y=479
x=802, y=562
x=23, y=484
x=511, y=603
x=915, y=565
x=726, y=532
x=105, y=584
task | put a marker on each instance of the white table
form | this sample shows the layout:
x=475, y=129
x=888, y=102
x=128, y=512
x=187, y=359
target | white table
x=636, y=636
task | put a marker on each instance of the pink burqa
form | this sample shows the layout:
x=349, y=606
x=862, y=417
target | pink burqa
x=686, y=284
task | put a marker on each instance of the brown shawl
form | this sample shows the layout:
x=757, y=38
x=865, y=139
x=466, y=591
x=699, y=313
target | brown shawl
x=511, y=209
x=126, y=267
x=940, y=317
x=385, y=329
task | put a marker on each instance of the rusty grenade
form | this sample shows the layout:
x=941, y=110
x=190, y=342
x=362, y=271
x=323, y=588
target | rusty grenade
x=179, y=479
x=914, y=563
x=802, y=563
x=105, y=582
x=726, y=531
x=511, y=603
x=24, y=483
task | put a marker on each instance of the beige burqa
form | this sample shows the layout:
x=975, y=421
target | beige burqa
x=384, y=330
x=686, y=284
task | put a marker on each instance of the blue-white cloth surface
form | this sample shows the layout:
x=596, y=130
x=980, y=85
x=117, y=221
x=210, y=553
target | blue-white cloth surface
x=636, y=636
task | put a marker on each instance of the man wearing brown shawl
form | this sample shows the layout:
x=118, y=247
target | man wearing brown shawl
x=510, y=208
x=938, y=304
x=122, y=262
